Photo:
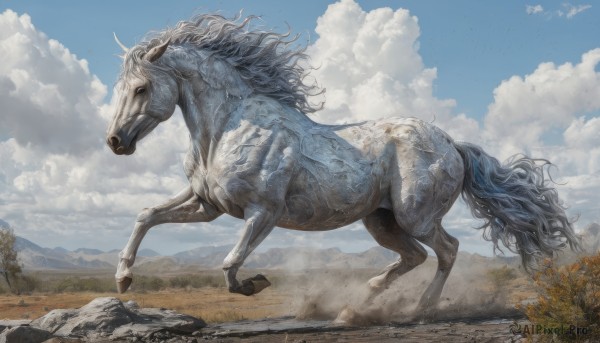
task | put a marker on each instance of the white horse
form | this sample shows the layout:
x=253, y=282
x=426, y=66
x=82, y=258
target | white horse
x=255, y=155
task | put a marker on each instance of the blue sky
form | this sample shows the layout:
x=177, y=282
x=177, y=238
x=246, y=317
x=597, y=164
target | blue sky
x=511, y=76
x=473, y=44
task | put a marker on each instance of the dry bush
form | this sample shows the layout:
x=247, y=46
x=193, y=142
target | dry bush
x=26, y=283
x=78, y=284
x=569, y=298
x=143, y=283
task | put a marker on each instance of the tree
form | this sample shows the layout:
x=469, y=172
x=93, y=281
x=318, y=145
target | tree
x=9, y=264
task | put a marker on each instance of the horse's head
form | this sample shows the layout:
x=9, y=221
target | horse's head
x=147, y=94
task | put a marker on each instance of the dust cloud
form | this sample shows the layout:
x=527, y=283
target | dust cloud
x=472, y=292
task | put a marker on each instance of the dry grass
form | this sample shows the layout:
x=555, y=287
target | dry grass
x=288, y=295
x=214, y=305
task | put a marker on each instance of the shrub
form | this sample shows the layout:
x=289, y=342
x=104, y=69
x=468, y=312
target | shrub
x=27, y=283
x=568, y=296
x=144, y=283
x=76, y=284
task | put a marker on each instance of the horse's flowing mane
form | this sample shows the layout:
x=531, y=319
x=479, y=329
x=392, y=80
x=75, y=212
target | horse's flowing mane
x=263, y=58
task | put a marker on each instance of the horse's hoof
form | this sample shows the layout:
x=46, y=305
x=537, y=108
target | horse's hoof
x=424, y=320
x=259, y=282
x=349, y=316
x=253, y=285
x=346, y=317
x=123, y=284
x=424, y=316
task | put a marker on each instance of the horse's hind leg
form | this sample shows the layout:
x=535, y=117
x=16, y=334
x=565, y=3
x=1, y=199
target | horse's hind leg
x=445, y=247
x=382, y=225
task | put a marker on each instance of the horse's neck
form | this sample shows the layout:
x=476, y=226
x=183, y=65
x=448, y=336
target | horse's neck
x=205, y=111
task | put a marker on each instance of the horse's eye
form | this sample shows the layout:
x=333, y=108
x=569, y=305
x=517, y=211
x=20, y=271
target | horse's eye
x=140, y=90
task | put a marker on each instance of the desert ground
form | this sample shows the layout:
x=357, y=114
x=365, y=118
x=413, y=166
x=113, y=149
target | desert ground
x=302, y=306
x=234, y=318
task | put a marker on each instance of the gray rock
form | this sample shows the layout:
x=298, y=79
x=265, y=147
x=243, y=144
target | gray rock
x=7, y=324
x=24, y=334
x=109, y=318
x=132, y=305
x=66, y=340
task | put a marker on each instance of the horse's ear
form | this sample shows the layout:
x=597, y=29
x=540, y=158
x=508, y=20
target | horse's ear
x=157, y=51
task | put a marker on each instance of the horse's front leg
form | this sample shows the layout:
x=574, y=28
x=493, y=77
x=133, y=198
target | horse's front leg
x=259, y=223
x=185, y=207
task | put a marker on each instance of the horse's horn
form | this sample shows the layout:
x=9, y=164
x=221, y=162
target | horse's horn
x=125, y=49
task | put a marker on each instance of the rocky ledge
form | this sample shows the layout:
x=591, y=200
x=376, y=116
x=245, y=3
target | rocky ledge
x=110, y=320
x=103, y=319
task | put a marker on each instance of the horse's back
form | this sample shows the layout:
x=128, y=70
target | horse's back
x=346, y=172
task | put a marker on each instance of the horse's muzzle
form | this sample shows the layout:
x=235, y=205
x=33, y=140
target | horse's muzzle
x=118, y=146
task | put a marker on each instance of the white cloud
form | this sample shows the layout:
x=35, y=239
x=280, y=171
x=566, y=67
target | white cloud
x=527, y=109
x=48, y=96
x=583, y=134
x=55, y=165
x=553, y=113
x=369, y=62
x=571, y=10
x=567, y=10
x=533, y=9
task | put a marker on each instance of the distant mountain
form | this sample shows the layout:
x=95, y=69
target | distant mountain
x=88, y=251
x=106, y=259
x=289, y=258
x=591, y=238
x=197, y=254
x=592, y=229
x=158, y=264
x=61, y=250
x=35, y=257
x=32, y=256
x=4, y=225
x=299, y=258
x=146, y=253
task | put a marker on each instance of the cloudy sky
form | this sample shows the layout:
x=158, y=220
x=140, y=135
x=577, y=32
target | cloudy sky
x=510, y=76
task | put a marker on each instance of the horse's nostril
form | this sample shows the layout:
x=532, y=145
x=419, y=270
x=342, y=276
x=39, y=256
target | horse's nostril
x=114, y=141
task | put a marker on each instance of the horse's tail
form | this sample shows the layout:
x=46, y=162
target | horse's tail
x=517, y=205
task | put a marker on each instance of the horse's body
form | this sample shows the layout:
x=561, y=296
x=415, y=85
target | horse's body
x=322, y=177
x=256, y=156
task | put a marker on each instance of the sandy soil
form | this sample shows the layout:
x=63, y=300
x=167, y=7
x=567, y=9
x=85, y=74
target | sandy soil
x=450, y=332
x=290, y=330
